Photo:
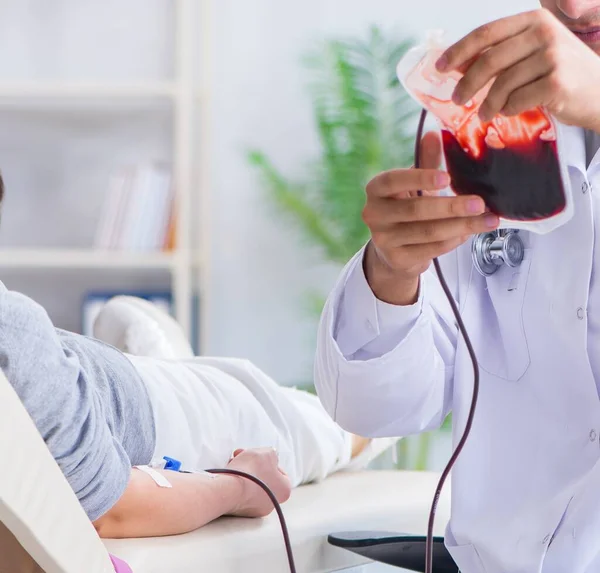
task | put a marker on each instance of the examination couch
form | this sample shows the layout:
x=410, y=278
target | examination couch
x=44, y=529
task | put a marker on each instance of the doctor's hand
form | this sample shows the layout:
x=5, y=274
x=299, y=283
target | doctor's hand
x=530, y=60
x=408, y=231
x=263, y=464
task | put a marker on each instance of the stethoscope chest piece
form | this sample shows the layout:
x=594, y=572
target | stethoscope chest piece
x=492, y=250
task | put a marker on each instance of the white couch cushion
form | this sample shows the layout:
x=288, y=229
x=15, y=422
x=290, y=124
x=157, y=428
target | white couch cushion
x=381, y=500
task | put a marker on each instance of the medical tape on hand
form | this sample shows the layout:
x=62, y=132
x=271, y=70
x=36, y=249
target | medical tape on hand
x=159, y=479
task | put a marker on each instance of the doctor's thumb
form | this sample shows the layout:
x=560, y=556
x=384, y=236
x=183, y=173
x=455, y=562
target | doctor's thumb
x=431, y=151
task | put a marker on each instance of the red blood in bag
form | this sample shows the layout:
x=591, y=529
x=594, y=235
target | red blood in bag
x=512, y=163
x=520, y=182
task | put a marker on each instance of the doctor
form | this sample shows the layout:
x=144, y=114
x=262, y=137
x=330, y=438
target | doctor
x=526, y=490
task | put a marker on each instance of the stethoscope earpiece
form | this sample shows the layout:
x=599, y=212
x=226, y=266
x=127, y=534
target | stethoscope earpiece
x=492, y=250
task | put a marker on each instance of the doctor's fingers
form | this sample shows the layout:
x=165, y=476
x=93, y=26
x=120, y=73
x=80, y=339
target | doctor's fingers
x=417, y=258
x=426, y=232
x=507, y=85
x=494, y=62
x=379, y=214
x=431, y=150
x=401, y=183
x=487, y=36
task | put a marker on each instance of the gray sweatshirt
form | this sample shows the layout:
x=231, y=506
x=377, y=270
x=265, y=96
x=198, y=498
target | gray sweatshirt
x=85, y=397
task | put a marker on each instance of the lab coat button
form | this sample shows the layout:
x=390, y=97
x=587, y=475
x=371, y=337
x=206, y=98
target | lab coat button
x=585, y=187
x=593, y=436
x=546, y=539
x=580, y=313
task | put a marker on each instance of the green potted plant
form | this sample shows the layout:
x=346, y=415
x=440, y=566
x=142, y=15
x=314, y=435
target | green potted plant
x=365, y=124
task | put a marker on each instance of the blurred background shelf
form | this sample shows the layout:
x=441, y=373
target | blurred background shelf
x=49, y=89
x=86, y=92
x=20, y=258
x=73, y=97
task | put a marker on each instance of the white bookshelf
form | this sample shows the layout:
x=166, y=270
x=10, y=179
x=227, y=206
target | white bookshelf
x=21, y=258
x=183, y=96
x=38, y=91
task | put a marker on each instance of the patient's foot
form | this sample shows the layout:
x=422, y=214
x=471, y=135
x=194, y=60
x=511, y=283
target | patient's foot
x=140, y=328
x=365, y=450
x=359, y=444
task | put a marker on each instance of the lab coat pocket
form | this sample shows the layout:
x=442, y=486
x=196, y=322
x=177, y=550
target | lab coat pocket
x=494, y=315
x=466, y=558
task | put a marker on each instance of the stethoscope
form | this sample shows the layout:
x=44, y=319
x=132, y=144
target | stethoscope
x=492, y=250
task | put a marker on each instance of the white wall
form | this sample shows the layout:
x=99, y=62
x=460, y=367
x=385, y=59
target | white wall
x=57, y=166
x=259, y=273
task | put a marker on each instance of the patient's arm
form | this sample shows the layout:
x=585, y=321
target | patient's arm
x=147, y=510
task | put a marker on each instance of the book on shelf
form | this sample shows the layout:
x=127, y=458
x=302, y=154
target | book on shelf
x=138, y=211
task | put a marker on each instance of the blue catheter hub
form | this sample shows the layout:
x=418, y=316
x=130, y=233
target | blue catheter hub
x=172, y=464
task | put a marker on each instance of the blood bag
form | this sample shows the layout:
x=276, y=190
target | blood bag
x=513, y=163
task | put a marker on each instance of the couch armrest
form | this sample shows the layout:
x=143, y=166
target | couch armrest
x=37, y=505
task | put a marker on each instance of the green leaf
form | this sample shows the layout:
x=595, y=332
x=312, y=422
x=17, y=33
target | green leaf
x=290, y=198
x=315, y=301
x=421, y=464
x=365, y=124
x=447, y=425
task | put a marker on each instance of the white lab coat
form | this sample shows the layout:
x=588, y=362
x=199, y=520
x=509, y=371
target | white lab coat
x=526, y=490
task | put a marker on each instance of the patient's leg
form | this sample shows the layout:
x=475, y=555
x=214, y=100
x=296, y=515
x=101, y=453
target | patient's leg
x=359, y=444
x=205, y=408
x=229, y=403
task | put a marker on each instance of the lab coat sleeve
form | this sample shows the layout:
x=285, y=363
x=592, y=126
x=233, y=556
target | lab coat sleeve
x=384, y=370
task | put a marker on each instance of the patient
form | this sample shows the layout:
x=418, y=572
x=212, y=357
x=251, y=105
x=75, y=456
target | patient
x=105, y=407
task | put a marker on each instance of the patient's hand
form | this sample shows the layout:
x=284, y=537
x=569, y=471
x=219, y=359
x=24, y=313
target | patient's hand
x=147, y=510
x=263, y=464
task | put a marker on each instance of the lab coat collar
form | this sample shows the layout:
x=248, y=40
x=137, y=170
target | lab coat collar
x=572, y=146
